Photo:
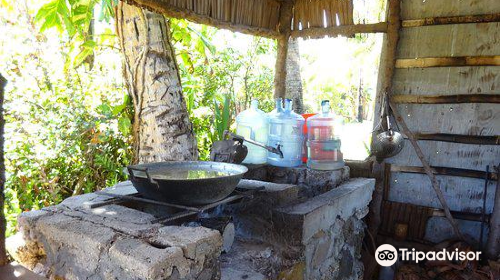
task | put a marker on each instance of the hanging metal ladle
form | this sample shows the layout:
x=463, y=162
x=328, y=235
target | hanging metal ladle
x=387, y=143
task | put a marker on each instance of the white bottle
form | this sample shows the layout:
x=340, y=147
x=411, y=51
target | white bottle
x=253, y=124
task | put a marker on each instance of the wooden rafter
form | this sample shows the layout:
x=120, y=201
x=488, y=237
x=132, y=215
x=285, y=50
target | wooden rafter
x=343, y=30
x=445, y=99
x=448, y=171
x=457, y=138
x=425, y=62
x=451, y=20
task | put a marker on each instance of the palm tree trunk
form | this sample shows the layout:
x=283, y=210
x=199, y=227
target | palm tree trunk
x=3, y=222
x=162, y=130
x=293, y=85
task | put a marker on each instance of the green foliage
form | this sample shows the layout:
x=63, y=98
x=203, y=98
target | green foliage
x=67, y=129
x=68, y=114
x=222, y=117
x=76, y=17
x=219, y=82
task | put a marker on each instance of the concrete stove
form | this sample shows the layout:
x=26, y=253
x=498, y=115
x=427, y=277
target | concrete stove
x=304, y=224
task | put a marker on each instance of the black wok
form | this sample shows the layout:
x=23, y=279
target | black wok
x=186, y=182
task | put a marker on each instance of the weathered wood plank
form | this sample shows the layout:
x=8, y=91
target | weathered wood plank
x=460, y=172
x=461, y=194
x=457, y=138
x=438, y=229
x=416, y=9
x=445, y=99
x=426, y=62
x=478, y=39
x=464, y=119
x=449, y=80
x=451, y=20
x=445, y=154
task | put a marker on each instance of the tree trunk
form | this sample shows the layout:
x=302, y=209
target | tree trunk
x=293, y=83
x=3, y=222
x=161, y=127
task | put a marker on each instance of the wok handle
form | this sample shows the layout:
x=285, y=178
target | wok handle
x=142, y=169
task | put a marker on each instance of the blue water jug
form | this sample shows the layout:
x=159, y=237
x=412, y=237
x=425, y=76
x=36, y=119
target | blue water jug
x=285, y=129
x=253, y=124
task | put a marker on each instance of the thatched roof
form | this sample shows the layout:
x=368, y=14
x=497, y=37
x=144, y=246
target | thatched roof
x=258, y=17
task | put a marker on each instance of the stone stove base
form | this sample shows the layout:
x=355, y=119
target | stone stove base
x=305, y=225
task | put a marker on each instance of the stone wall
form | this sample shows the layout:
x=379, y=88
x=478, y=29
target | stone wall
x=116, y=242
x=316, y=237
x=303, y=224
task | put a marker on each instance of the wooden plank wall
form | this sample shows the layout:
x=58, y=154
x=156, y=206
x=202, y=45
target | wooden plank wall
x=450, y=40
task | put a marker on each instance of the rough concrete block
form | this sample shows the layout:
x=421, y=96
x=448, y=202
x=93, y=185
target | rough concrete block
x=78, y=243
x=315, y=181
x=322, y=181
x=196, y=242
x=81, y=201
x=27, y=220
x=273, y=193
x=301, y=221
x=145, y=261
x=121, y=213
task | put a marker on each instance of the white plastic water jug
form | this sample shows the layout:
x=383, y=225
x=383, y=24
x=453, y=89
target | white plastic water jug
x=253, y=124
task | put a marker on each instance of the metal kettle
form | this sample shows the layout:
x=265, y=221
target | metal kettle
x=387, y=143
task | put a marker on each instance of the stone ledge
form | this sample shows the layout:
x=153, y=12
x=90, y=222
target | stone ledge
x=315, y=181
x=299, y=222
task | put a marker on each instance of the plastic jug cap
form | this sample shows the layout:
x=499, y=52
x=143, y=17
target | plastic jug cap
x=254, y=104
x=325, y=106
x=288, y=104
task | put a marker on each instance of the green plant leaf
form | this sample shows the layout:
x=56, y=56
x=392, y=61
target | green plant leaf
x=124, y=125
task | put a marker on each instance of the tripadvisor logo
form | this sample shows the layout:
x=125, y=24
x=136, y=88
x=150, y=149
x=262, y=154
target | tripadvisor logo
x=387, y=255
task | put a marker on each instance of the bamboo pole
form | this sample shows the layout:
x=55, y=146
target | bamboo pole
x=447, y=171
x=493, y=242
x=427, y=169
x=3, y=222
x=457, y=138
x=342, y=30
x=426, y=62
x=445, y=99
x=284, y=29
x=451, y=20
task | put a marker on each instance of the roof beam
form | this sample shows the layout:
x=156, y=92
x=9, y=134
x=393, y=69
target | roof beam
x=342, y=30
x=451, y=20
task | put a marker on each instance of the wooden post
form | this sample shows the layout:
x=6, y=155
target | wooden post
x=493, y=243
x=3, y=223
x=285, y=24
x=386, y=70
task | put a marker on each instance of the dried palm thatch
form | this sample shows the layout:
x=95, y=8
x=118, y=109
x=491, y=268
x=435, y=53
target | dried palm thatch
x=322, y=13
x=256, y=17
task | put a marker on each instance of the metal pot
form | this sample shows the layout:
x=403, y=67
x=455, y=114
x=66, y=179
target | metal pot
x=186, y=182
